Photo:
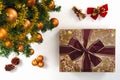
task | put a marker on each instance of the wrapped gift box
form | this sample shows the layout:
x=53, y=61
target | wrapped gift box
x=87, y=50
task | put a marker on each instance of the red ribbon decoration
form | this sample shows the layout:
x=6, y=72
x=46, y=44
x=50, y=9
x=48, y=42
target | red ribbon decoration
x=75, y=50
x=96, y=11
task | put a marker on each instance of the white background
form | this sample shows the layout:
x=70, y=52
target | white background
x=50, y=46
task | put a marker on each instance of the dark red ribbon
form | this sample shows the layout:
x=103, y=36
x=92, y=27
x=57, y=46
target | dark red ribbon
x=96, y=11
x=75, y=50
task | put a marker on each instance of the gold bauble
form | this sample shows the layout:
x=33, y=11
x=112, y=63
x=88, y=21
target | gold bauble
x=31, y=2
x=34, y=62
x=31, y=51
x=51, y=5
x=41, y=64
x=39, y=58
x=11, y=14
x=8, y=44
x=39, y=37
x=40, y=25
x=55, y=22
x=20, y=48
x=3, y=33
x=27, y=24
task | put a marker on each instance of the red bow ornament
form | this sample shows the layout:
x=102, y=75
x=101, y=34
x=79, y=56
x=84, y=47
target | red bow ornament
x=96, y=11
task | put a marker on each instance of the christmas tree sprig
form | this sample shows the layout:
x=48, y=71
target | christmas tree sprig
x=20, y=24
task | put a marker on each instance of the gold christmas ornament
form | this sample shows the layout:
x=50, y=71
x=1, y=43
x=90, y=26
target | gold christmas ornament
x=31, y=51
x=20, y=48
x=41, y=64
x=40, y=25
x=8, y=44
x=38, y=61
x=11, y=14
x=39, y=37
x=31, y=2
x=52, y=5
x=55, y=22
x=27, y=24
x=39, y=58
x=34, y=62
x=3, y=33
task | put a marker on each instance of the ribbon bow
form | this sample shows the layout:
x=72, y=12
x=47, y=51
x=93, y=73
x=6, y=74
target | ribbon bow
x=75, y=50
x=96, y=11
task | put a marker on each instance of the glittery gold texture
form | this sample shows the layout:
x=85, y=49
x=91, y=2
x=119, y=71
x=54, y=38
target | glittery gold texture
x=107, y=36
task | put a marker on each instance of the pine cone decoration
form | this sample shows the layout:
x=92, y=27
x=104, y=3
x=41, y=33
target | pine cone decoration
x=15, y=61
x=9, y=67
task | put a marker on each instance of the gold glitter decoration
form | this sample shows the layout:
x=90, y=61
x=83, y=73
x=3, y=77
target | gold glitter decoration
x=66, y=65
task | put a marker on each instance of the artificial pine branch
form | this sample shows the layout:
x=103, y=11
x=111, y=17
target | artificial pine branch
x=36, y=13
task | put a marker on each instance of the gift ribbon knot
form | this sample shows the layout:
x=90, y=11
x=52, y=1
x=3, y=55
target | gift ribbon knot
x=75, y=50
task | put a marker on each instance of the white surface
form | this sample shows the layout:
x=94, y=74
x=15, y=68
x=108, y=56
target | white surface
x=49, y=47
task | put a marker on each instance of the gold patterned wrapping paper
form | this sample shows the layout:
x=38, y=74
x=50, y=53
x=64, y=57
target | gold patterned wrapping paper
x=106, y=36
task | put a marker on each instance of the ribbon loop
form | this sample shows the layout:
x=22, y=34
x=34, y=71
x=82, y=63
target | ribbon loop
x=94, y=59
x=90, y=10
x=75, y=43
x=65, y=49
x=96, y=46
x=75, y=54
x=104, y=8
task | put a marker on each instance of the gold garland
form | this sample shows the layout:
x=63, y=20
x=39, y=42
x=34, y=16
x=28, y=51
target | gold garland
x=33, y=22
x=19, y=21
x=1, y=6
